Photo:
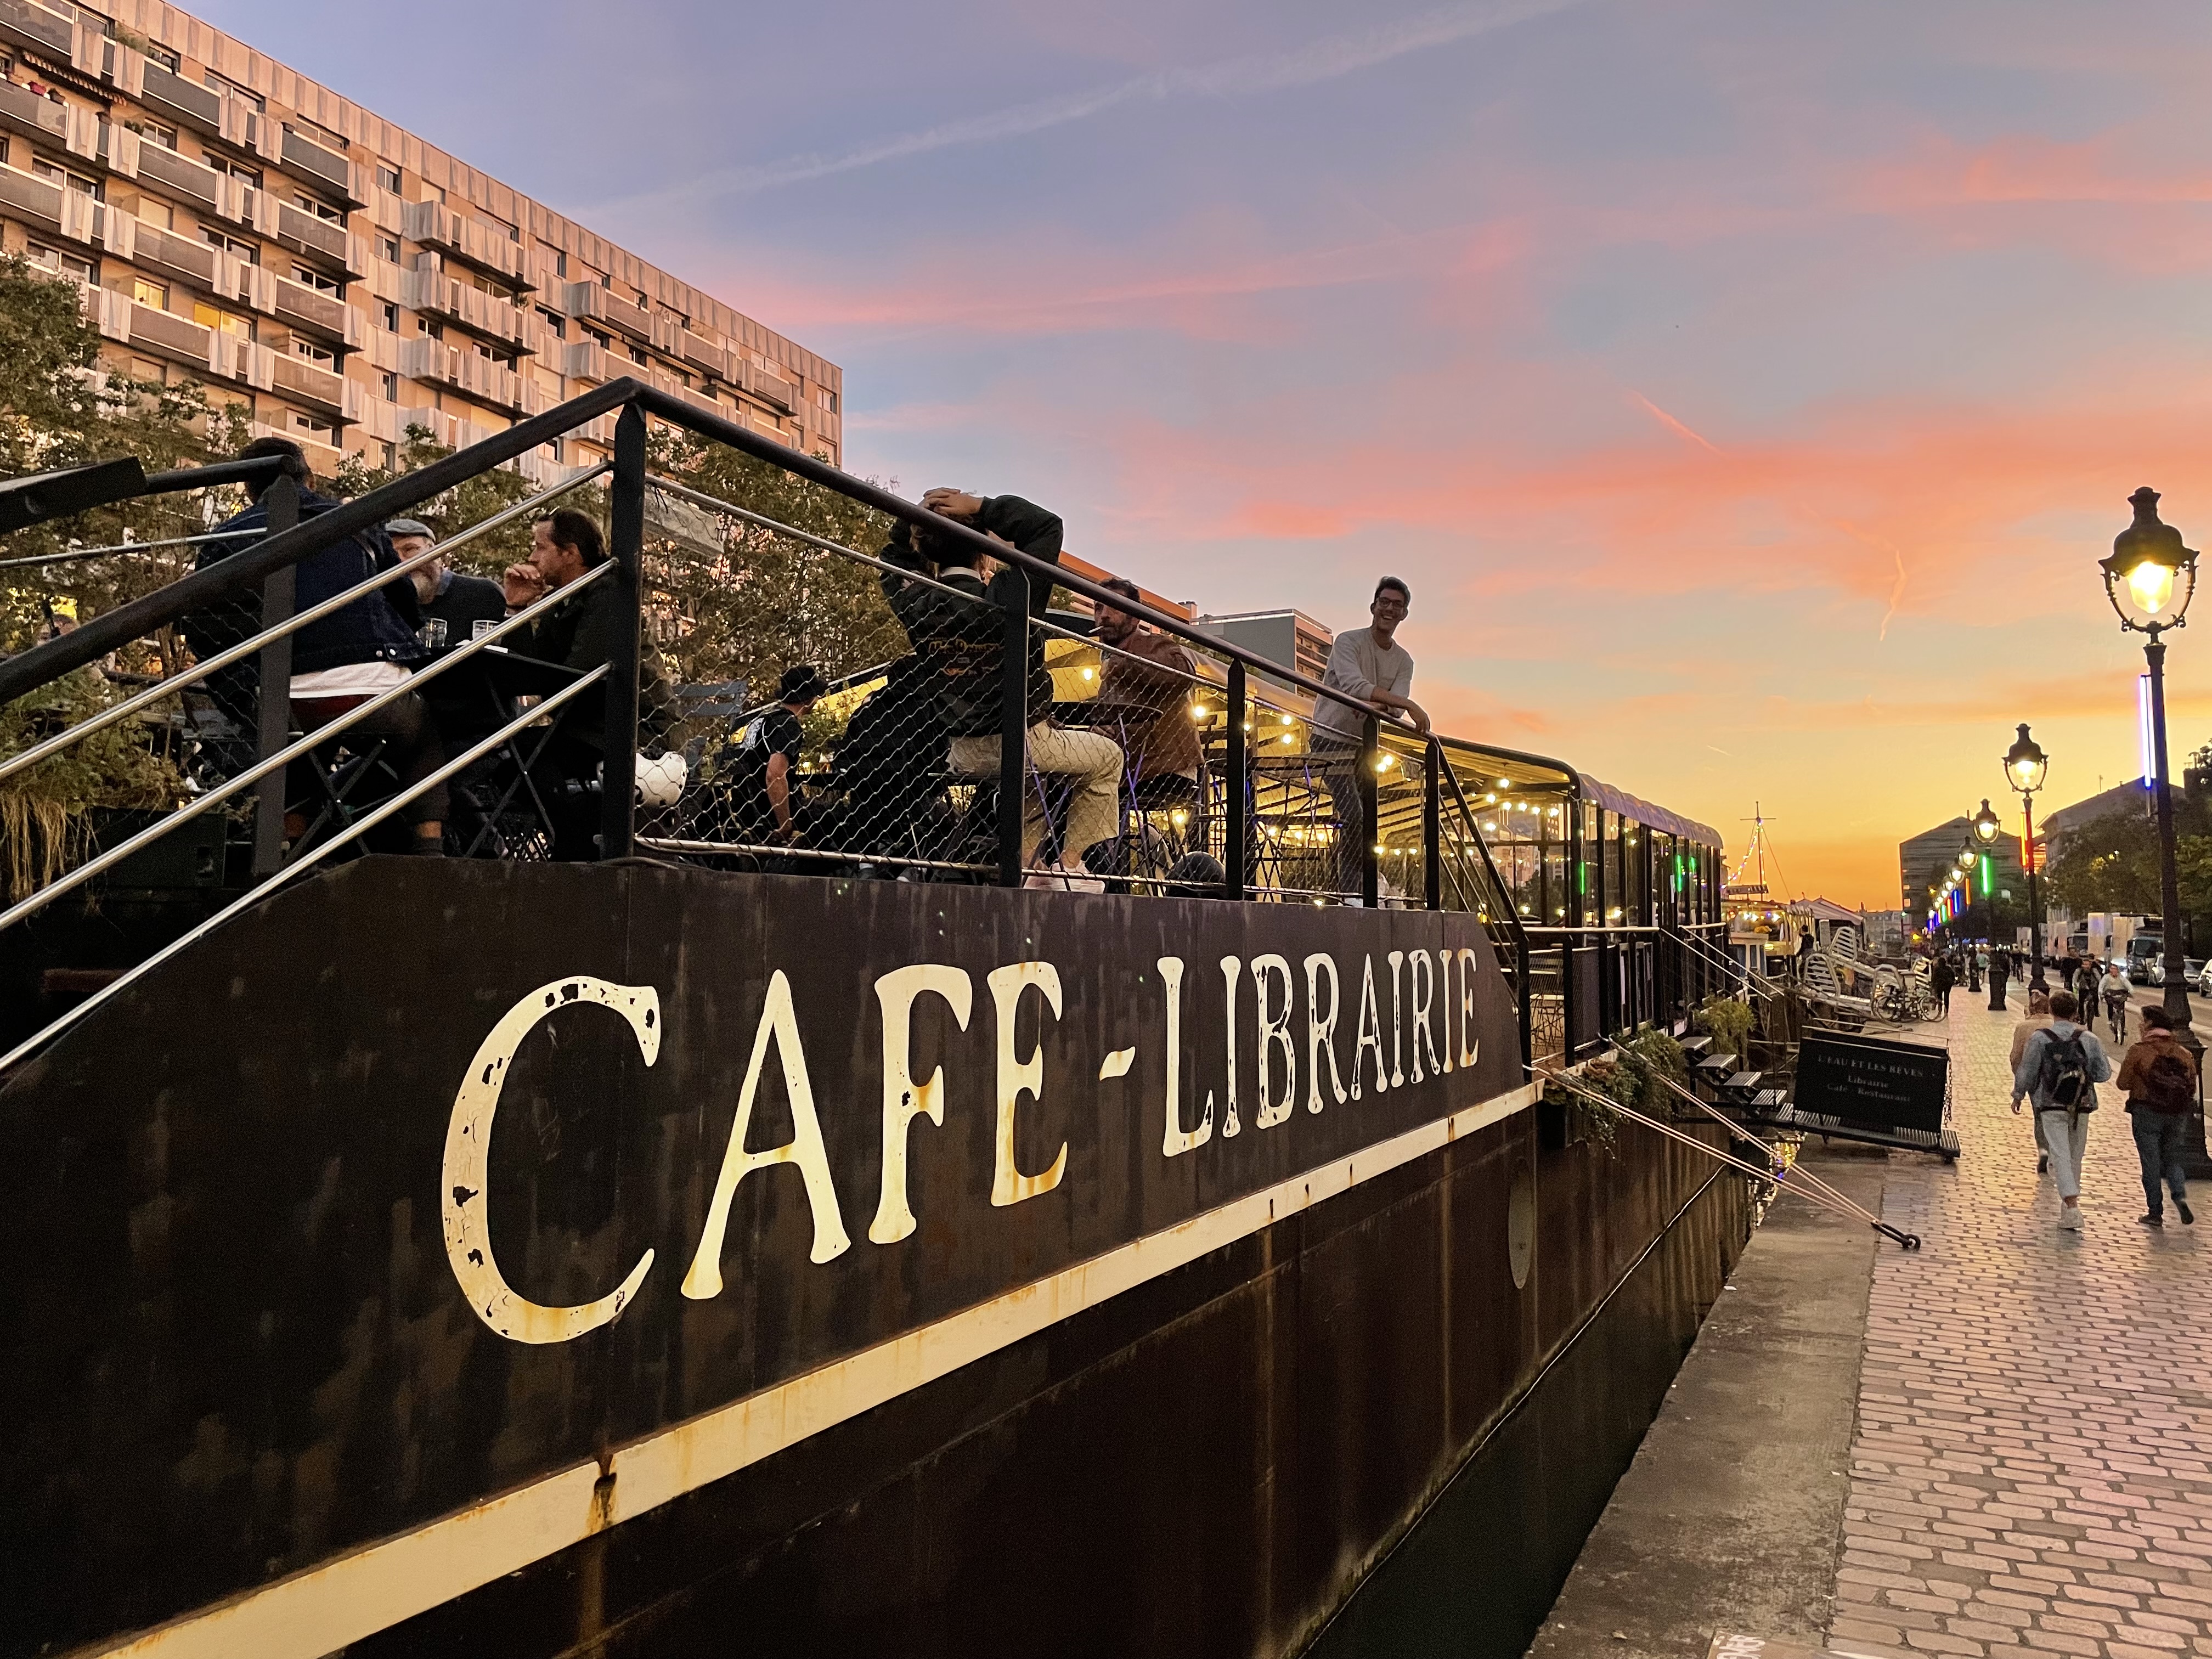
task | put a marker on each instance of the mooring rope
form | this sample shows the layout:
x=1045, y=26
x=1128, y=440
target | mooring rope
x=1813, y=1190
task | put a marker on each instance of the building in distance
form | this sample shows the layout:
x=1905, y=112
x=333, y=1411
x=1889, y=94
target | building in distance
x=232, y=222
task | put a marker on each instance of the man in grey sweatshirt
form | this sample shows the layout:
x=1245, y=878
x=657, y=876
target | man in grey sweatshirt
x=2064, y=1093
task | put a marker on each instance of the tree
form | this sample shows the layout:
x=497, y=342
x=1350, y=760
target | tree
x=769, y=601
x=60, y=409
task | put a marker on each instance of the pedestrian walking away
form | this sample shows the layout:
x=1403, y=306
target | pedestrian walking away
x=2059, y=1070
x=1940, y=979
x=2158, y=1078
x=2039, y=1019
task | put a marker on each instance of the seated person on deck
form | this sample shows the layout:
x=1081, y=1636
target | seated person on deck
x=961, y=635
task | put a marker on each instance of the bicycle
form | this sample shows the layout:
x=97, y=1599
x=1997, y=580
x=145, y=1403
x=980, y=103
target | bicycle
x=2116, y=1013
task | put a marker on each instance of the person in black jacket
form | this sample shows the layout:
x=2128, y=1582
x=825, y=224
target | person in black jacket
x=580, y=632
x=961, y=635
x=339, y=661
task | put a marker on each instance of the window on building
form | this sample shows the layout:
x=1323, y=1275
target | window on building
x=493, y=354
x=435, y=330
x=68, y=265
x=559, y=264
x=244, y=175
x=314, y=352
x=555, y=325
x=155, y=294
x=826, y=397
x=234, y=247
x=391, y=458
x=637, y=354
x=387, y=247
x=388, y=317
x=160, y=214
x=214, y=83
x=315, y=134
x=222, y=322
x=387, y=179
x=597, y=338
x=388, y=386
x=313, y=278
x=161, y=55
x=320, y=209
x=67, y=177
x=156, y=132
x=310, y=426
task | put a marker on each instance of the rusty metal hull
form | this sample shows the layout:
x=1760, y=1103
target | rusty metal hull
x=643, y=1260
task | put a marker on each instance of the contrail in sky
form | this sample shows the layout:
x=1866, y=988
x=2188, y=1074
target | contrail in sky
x=1234, y=77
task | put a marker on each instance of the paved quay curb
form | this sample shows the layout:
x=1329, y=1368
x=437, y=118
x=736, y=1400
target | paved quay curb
x=2032, y=1471
x=1731, y=1516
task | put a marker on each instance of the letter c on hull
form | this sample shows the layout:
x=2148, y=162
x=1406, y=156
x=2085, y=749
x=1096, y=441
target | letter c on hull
x=468, y=1162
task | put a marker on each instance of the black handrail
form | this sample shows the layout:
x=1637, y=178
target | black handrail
x=93, y=640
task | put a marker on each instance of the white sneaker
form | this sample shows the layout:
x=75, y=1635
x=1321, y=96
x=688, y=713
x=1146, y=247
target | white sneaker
x=2069, y=1217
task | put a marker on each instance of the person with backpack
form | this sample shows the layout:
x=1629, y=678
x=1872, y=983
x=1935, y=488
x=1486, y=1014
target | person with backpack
x=2039, y=1019
x=2060, y=1069
x=2158, y=1078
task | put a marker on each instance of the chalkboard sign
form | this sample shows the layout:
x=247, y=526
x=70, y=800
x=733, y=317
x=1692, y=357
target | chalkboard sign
x=1876, y=1081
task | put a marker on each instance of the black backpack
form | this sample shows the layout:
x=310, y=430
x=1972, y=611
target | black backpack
x=2063, y=1079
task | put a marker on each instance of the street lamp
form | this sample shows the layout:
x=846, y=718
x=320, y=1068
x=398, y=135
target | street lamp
x=2149, y=578
x=2025, y=767
x=1987, y=827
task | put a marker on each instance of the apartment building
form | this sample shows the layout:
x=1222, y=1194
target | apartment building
x=233, y=222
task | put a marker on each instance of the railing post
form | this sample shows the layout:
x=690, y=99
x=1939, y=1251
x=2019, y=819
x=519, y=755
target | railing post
x=1523, y=974
x=1371, y=825
x=1432, y=828
x=274, y=702
x=625, y=546
x=1236, y=824
x=1013, y=737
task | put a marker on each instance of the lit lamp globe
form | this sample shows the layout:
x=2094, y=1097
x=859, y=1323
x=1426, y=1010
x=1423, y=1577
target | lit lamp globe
x=2150, y=576
x=1986, y=825
x=2025, y=763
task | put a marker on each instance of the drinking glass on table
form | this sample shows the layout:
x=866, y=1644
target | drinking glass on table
x=432, y=634
x=481, y=627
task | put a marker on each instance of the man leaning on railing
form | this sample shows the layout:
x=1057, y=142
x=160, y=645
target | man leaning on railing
x=961, y=634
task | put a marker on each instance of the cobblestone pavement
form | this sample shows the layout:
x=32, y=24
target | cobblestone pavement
x=2033, y=1467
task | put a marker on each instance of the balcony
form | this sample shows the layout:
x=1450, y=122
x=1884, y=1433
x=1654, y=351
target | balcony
x=308, y=308
x=174, y=257
x=181, y=177
x=310, y=383
x=587, y=360
x=702, y=354
x=589, y=301
x=33, y=199
x=435, y=225
x=172, y=95
x=436, y=363
x=302, y=155
x=37, y=26
x=771, y=387
x=436, y=295
x=22, y=111
x=322, y=239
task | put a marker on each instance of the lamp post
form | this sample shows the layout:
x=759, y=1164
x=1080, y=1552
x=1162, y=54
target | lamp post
x=2026, y=767
x=2149, y=578
x=1987, y=827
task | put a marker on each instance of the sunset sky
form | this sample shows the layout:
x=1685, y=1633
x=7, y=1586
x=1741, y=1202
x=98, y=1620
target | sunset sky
x=1747, y=389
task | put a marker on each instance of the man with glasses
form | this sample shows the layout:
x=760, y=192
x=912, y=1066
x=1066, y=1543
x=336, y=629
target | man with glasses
x=1376, y=673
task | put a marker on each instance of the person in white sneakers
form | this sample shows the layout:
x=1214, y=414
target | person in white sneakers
x=2059, y=1071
